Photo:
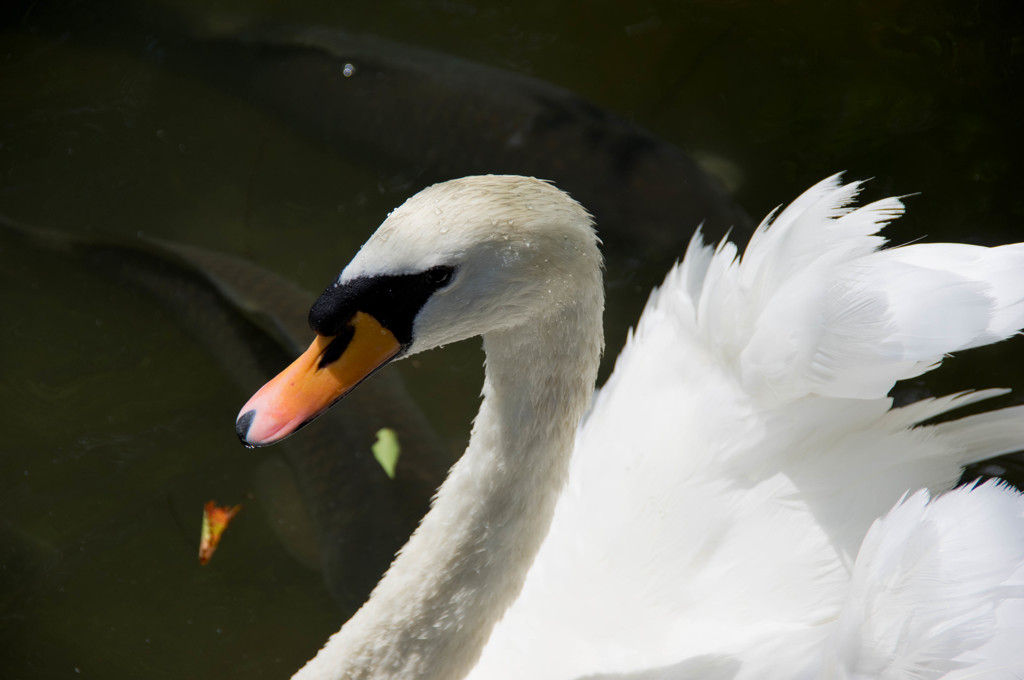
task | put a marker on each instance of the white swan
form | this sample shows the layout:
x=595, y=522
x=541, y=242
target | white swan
x=735, y=502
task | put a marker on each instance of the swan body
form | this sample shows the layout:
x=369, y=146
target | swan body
x=739, y=500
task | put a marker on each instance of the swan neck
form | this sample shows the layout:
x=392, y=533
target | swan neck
x=433, y=612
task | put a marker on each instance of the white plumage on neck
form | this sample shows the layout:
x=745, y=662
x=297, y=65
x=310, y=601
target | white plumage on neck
x=727, y=474
x=434, y=610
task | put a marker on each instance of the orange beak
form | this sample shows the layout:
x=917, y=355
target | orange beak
x=325, y=372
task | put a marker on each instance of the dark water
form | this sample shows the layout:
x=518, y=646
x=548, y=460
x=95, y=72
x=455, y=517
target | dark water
x=119, y=389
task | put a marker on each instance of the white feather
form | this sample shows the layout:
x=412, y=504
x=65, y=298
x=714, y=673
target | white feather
x=937, y=591
x=720, y=514
x=728, y=471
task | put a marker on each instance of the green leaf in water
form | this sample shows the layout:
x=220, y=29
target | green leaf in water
x=386, y=450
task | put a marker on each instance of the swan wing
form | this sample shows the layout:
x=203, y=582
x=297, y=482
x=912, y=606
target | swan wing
x=727, y=473
x=937, y=591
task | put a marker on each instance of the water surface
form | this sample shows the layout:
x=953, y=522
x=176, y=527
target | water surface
x=120, y=391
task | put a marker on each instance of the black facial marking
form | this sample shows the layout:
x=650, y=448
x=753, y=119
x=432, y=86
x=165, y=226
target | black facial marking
x=337, y=346
x=393, y=300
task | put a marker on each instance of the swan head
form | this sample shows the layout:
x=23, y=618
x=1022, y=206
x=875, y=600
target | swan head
x=468, y=257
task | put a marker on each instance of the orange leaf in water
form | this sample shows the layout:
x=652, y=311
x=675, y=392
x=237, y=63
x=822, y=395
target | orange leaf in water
x=215, y=521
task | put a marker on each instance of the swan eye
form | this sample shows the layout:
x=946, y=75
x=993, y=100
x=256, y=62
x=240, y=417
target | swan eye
x=438, y=277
